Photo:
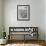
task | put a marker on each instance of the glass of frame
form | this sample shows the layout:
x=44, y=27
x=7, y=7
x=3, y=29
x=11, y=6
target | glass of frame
x=23, y=12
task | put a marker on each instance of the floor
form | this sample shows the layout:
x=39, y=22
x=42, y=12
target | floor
x=25, y=43
x=21, y=45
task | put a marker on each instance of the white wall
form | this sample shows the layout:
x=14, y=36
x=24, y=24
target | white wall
x=45, y=19
x=37, y=17
x=0, y=18
x=0, y=11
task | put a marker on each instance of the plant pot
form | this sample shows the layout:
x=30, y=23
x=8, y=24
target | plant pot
x=3, y=41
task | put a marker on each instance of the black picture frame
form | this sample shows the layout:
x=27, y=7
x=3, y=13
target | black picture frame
x=23, y=12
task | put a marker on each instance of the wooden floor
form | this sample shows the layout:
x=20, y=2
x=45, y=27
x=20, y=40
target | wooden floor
x=40, y=42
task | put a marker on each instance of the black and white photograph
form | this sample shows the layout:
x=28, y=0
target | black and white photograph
x=23, y=12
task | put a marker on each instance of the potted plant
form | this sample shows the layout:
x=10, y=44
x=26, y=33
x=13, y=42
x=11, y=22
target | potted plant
x=2, y=37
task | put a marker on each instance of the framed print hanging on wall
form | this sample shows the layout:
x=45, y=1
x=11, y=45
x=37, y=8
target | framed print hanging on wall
x=23, y=12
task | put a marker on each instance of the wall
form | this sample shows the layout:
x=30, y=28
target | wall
x=45, y=19
x=0, y=18
x=37, y=17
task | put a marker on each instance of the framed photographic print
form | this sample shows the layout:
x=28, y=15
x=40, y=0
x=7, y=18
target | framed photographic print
x=23, y=12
